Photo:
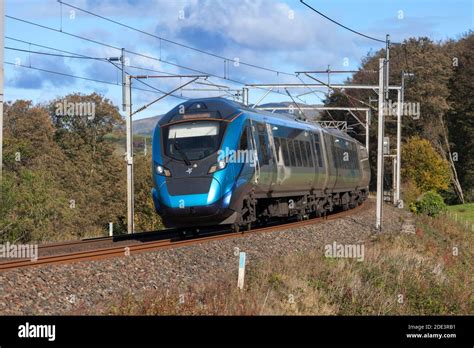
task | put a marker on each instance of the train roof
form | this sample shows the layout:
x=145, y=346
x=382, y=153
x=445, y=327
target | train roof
x=217, y=108
x=208, y=107
x=225, y=109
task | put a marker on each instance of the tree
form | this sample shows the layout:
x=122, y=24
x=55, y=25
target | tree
x=96, y=181
x=64, y=179
x=424, y=166
x=432, y=64
x=33, y=203
x=460, y=118
x=146, y=218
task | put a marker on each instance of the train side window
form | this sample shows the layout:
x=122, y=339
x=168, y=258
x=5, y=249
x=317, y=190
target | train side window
x=291, y=153
x=308, y=151
x=277, y=148
x=296, y=144
x=243, y=144
x=318, y=150
x=286, y=156
x=335, y=152
x=304, y=154
x=291, y=157
x=263, y=148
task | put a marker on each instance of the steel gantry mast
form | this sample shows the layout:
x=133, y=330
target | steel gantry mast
x=129, y=129
x=382, y=90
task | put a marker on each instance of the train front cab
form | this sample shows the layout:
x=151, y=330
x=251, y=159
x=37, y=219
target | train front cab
x=194, y=181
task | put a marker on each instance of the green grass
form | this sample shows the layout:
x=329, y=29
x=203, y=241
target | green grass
x=464, y=212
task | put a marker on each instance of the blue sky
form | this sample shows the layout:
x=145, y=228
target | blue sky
x=282, y=35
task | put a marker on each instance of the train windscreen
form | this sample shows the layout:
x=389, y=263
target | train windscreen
x=192, y=141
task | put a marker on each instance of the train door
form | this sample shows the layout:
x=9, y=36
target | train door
x=331, y=162
x=246, y=148
x=265, y=166
x=320, y=166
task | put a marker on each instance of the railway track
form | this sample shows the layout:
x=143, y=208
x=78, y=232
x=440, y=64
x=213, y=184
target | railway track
x=96, y=249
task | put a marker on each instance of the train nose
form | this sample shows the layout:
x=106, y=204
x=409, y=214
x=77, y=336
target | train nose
x=198, y=208
x=190, y=192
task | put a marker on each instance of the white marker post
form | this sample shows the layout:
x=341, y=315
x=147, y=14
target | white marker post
x=240, y=281
x=111, y=229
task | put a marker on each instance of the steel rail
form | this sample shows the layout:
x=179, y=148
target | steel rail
x=166, y=243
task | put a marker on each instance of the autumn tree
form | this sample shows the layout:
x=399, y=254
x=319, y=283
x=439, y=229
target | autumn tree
x=432, y=64
x=96, y=184
x=460, y=118
x=33, y=204
x=146, y=218
x=424, y=166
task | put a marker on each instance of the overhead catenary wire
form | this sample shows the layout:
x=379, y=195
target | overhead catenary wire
x=342, y=25
x=103, y=44
x=76, y=55
x=74, y=76
x=297, y=105
x=148, y=85
x=85, y=78
x=353, y=31
x=130, y=52
x=336, y=90
x=51, y=54
x=81, y=55
x=162, y=39
x=327, y=111
x=134, y=53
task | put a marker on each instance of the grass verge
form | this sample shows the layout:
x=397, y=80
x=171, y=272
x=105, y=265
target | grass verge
x=424, y=273
x=463, y=212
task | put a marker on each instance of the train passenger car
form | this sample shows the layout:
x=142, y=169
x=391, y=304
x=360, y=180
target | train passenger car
x=216, y=161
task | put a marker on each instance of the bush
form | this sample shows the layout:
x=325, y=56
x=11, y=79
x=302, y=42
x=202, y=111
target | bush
x=424, y=166
x=430, y=204
x=411, y=193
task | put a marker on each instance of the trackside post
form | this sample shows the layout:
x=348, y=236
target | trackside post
x=240, y=281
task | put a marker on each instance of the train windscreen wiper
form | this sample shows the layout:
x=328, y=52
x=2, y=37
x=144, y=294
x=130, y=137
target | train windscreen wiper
x=181, y=152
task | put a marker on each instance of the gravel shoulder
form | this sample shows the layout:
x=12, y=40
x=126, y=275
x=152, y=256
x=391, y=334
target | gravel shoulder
x=63, y=289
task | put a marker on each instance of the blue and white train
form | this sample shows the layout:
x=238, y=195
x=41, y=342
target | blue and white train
x=218, y=162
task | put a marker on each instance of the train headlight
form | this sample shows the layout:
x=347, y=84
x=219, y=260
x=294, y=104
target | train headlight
x=160, y=170
x=218, y=166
